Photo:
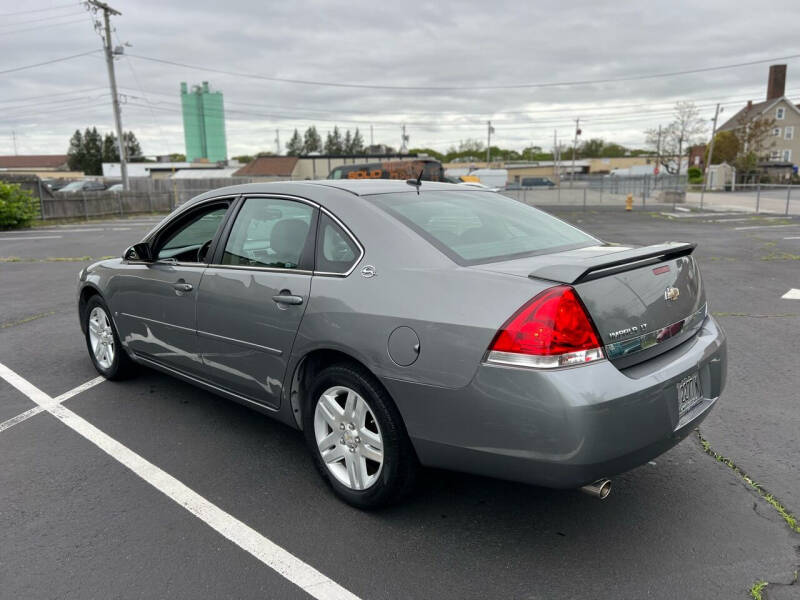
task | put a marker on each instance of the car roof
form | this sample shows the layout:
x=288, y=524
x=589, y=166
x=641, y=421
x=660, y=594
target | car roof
x=357, y=187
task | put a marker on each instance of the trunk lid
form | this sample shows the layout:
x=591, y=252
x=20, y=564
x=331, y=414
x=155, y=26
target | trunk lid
x=643, y=301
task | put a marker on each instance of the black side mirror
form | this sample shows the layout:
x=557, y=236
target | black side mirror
x=139, y=252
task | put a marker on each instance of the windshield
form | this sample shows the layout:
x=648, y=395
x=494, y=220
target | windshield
x=481, y=227
x=75, y=185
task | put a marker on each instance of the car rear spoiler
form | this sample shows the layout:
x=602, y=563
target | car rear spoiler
x=577, y=269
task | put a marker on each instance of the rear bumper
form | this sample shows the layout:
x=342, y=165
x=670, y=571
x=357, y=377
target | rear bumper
x=567, y=427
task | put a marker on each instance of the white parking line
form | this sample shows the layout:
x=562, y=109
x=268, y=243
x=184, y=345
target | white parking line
x=792, y=294
x=275, y=557
x=30, y=237
x=792, y=238
x=37, y=409
x=763, y=227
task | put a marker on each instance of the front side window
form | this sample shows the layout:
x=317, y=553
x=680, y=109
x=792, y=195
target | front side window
x=776, y=131
x=787, y=155
x=271, y=233
x=336, y=251
x=480, y=227
x=774, y=155
x=789, y=133
x=190, y=240
x=780, y=112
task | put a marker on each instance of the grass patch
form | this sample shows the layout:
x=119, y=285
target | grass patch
x=26, y=319
x=757, y=588
x=788, y=517
x=781, y=256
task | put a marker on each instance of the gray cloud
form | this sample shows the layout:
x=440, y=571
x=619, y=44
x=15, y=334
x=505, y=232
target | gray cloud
x=415, y=44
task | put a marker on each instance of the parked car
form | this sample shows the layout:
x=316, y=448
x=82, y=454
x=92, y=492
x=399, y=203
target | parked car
x=532, y=182
x=86, y=185
x=399, y=324
x=513, y=185
x=116, y=188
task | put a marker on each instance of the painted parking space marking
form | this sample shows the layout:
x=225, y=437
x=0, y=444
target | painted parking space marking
x=795, y=237
x=763, y=227
x=792, y=294
x=303, y=575
x=58, y=400
x=30, y=237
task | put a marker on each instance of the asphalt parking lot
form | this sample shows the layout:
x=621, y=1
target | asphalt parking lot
x=78, y=523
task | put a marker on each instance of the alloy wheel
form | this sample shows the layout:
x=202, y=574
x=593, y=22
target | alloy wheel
x=348, y=437
x=101, y=337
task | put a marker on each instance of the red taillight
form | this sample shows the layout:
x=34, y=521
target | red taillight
x=552, y=330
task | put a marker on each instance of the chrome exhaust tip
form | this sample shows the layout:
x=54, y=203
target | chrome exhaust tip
x=599, y=489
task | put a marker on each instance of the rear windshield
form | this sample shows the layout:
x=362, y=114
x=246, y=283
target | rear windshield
x=480, y=227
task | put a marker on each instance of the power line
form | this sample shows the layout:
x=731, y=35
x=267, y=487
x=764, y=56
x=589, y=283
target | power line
x=36, y=10
x=38, y=27
x=12, y=100
x=48, y=62
x=463, y=88
x=50, y=18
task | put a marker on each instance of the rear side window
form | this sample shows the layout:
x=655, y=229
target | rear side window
x=270, y=232
x=481, y=227
x=336, y=251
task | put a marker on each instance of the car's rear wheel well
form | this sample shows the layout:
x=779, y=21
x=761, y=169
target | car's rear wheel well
x=86, y=294
x=308, y=368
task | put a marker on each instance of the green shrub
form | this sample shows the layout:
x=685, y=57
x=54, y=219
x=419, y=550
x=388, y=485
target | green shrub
x=17, y=208
x=695, y=172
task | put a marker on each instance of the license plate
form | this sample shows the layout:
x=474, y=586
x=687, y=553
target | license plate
x=689, y=393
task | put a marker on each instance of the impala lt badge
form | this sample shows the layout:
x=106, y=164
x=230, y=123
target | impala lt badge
x=671, y=293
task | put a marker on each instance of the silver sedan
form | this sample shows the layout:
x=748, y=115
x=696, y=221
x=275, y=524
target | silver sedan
x=400, y=324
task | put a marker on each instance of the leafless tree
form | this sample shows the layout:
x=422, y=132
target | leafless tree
x=687, y=128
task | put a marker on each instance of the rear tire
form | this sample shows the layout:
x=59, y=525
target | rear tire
x=357, y=438
x=102, y=341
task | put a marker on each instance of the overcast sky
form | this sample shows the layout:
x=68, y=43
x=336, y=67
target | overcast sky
x=425, y=44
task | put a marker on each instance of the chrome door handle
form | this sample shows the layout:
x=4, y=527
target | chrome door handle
x=182, y=287
x=287, y=299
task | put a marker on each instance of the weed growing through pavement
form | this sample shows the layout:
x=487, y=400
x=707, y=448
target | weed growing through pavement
x=790, y=519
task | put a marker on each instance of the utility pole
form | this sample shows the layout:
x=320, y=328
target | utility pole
x=112, y=80
x=658, y=151
x=371, y=138
x=404, y=141
x=14, y=139
x=710, y=155
x=574, y=149
x=555, y=157
x=277, y=142
x=489, y=132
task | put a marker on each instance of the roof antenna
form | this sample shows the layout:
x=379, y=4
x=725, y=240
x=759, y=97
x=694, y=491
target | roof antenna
x=416, y=182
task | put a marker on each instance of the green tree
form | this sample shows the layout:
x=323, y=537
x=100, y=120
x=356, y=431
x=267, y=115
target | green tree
x=93, y=152
x=177, y=157
x=110, y=151
x=17, y=207
x=347, y=143
x=243, y=158
x=295, y=145
x=726, y=148
x=312, y=142
x=357, y=145
x=76, y=153
x=133, y=151
x=333, y=142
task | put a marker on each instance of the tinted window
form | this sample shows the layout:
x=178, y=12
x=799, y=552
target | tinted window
x=336, y=251
x=269, y=232
x=184, y=242
x=475, y=227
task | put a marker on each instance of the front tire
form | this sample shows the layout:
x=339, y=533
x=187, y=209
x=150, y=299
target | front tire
x=102, y=341
x=357, y=438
